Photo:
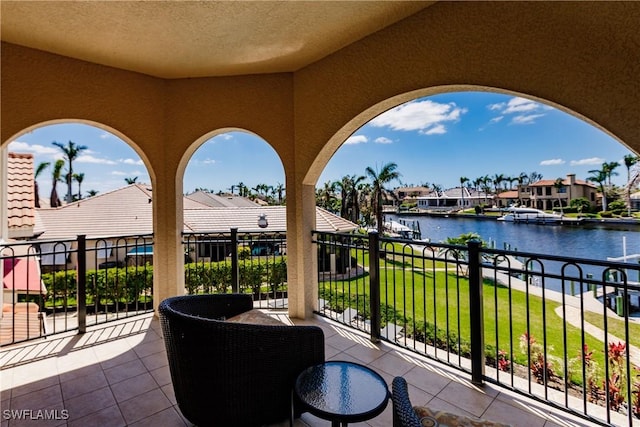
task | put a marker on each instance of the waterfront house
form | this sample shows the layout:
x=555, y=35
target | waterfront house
x=453, y=199
x=545, y=195
x=410, y=194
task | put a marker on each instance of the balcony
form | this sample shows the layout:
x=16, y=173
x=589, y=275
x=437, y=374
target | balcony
x=116, y=374
x=402, y=307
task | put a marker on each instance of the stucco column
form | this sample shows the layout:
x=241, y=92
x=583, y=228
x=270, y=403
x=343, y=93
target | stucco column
x=168, y=256
x=302, y=259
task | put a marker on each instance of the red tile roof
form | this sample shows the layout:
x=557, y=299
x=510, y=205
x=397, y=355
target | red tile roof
x=551, y=182
x=20, y=194
x=128, y=211
x=511, y=194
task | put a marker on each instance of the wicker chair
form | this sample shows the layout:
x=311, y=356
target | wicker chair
x=403, y=413
x=233, y=374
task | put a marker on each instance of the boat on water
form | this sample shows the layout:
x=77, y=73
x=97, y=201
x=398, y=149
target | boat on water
x=532, y=216
x=396, y=229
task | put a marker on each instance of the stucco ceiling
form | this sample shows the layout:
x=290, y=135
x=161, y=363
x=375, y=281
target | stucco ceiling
x=174, y=39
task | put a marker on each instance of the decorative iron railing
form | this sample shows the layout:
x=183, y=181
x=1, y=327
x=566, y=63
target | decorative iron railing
x=560, y=330
x=51, y=287
x=254, y=263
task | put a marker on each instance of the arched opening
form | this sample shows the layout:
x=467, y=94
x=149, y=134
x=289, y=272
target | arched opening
x=234, y=217
x=78, y=224
x=534, y=155
x=456, y=151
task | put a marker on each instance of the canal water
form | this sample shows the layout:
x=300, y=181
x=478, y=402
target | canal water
x=582, y=241
x=590, y=241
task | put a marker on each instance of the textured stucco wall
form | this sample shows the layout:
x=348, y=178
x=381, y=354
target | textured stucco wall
x=579, y=56
x=583, y=57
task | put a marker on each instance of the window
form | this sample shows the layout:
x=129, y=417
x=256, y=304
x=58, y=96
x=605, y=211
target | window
x=562, y=190
x=53, y=253
x=547, y=191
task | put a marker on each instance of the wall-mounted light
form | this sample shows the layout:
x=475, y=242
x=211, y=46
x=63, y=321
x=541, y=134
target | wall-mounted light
x=262, y=221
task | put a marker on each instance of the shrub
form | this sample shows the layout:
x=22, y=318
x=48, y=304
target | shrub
x=542, y=368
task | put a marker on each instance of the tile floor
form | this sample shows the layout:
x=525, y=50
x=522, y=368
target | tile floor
x=117, y=375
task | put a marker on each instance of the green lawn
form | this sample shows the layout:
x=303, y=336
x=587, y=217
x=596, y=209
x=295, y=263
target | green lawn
x=615, y=327
x=439, y=297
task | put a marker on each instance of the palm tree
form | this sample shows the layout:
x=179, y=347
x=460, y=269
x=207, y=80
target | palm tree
x=41, y=166
x=522, y=179
x=54, y=200
x=378, y=181
x=485, y=184
x=609, y=169
x=71, y=152
x=463, y=179
x=92, y=193
x=558, y=184
x=353, y=199
x=629, y=160
x=344, y=185
x=79, y=177
x=130, y=181
x=437, y=188
x=279, y=190
x=325, y=197
x=534, y=177
x=243, y=190
x=599, y=176
x=497, y=180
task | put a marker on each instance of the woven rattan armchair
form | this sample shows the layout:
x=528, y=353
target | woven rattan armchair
x=403, y=413
x=233, y=374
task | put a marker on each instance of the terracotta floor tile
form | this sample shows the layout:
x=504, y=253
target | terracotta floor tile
x=125, y=371
x=105, y=417
x=83, y=384
x=125, y=390
x=89, y=402
x=144, y=405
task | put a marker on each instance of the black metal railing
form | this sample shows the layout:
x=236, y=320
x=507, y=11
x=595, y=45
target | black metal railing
x=253, y=263
x=65, y=285
x=557, y=329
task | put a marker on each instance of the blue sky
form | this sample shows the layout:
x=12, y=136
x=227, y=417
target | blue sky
x=435, y=140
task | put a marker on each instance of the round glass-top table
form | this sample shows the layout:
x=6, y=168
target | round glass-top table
x=342, y=392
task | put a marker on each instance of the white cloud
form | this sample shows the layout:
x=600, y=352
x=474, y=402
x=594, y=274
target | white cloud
x=552, y=162
x=84, y=158
x=422, y=116
x=520, y=105
x=23, y=147
x=223, y=137
x=138, y=162
x=105, y=135
x=435, y=130
x=208, y=161
x=356, y=139
x=589, y=161
x=527, y=111
x=526, y=119
x=383, y=140
x=119, y=173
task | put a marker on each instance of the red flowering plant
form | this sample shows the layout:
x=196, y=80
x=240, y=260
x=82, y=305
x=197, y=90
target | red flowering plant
x=541, y=365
